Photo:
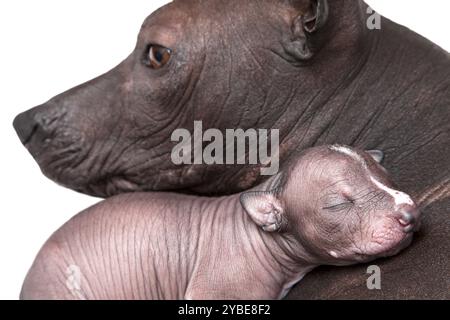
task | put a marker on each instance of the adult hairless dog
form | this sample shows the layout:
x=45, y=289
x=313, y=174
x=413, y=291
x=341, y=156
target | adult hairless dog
x=332, y=205
x=310, y=68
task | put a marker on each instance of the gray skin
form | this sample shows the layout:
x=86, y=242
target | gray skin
x=323, y=208
x=309, y=68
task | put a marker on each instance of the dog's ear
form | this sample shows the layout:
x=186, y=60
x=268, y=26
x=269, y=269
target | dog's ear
x=265, y=209
x=311, y=17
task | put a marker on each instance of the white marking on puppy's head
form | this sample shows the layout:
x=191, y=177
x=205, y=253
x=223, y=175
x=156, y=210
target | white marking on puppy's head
x=399, y=197
x=349, y=152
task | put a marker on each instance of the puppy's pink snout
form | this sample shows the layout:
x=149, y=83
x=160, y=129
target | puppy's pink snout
x=409, y=218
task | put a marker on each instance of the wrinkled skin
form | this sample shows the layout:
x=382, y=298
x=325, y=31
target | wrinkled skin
x=235, y=64
x=323, y=208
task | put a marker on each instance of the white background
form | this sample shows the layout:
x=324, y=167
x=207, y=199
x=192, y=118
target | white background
x=48, y=46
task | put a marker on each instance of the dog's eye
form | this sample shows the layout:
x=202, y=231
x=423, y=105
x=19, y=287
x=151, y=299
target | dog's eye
x=158, y=56
x=338, y=207
x=338, y=204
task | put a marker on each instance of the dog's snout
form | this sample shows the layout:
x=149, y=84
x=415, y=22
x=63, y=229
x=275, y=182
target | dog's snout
x=409, y=217
x=35, y=122
x=25, y=125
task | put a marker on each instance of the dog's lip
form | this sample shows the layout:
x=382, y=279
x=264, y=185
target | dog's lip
x=403, y=244
x=37, y=150
x=400, y=238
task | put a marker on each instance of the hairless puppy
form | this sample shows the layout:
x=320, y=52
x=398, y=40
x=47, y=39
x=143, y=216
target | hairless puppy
x=330, y=205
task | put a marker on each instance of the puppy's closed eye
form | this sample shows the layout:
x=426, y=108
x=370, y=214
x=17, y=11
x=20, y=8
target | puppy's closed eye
x=338, y=203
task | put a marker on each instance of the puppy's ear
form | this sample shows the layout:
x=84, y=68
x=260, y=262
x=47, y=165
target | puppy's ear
x=265, y=209
x=377, y=155
x=312, y=15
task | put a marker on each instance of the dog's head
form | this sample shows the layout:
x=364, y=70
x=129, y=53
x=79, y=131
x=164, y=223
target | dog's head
x=231, y=64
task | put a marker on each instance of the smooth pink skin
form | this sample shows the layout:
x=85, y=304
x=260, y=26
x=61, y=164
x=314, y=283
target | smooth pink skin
x=171, y=246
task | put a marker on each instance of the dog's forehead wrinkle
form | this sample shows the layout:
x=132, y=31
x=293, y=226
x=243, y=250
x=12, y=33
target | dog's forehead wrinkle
x=340, y=186
x=337, y=182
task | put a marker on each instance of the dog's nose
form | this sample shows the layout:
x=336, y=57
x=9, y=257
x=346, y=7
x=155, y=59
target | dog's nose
x=38, y=122
x=25, y=125
x=409, y=218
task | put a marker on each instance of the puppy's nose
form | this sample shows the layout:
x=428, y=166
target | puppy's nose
x=25, y=125
x=409, y=218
